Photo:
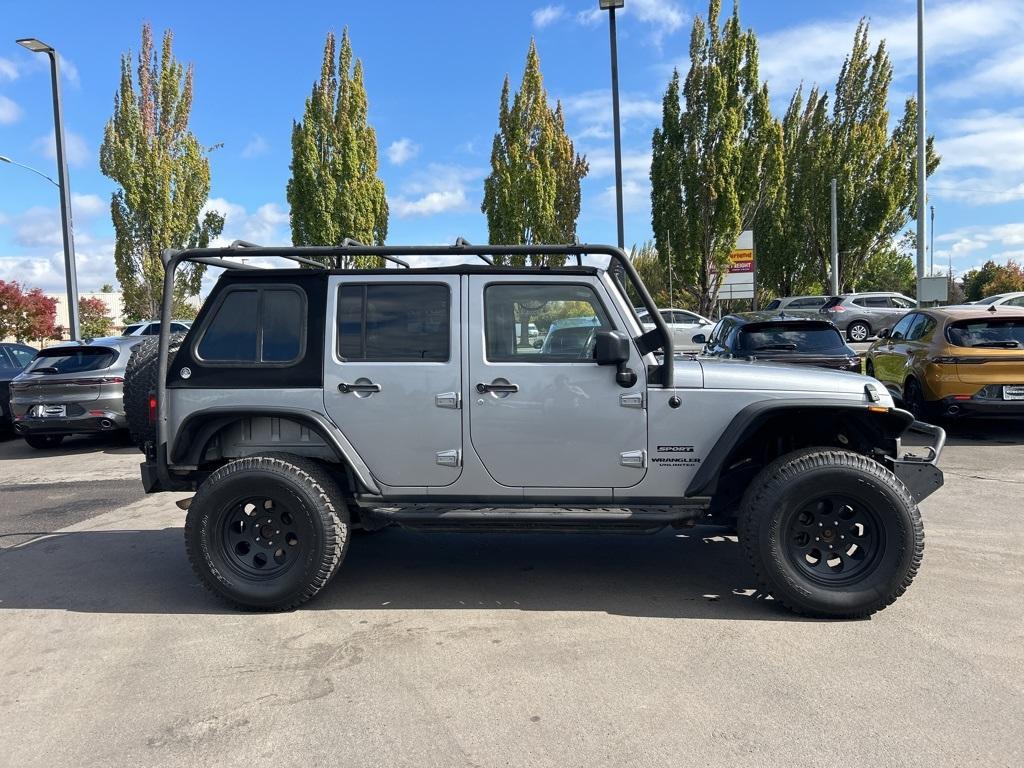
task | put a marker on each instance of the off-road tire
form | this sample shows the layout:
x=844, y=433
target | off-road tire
x=140, y=381
x=775, y=499
x=851, y=334
x=43, y=442
x=311, y=496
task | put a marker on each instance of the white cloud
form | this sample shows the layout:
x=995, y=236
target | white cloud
x=1001, y=74
x=634, y=164
x=75, y=148
x=636, y=196
x=257, y=146
x=590, y=17
x=401, y=151
x=10, y=112
x=437, y=189
x=982, y=158
x=69, y=71
x=549, y=14
x=267, y=225
x=593, y=111
x=88, y=206
x=8, y=69
x=981, y=243
x=814, y=52
x=664, y=16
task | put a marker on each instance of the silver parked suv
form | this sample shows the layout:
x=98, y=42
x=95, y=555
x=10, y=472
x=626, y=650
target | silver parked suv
x=863, y=315
x=304, y=404
x=71, y=389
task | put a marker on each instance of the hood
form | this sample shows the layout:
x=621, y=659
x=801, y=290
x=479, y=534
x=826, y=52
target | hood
x=725, y=373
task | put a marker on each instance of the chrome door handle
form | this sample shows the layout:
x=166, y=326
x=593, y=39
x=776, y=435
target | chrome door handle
x=485, y=388
x=343, y=387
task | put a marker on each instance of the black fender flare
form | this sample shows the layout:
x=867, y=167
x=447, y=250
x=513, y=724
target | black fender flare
x=892, y=422
x=192, y=436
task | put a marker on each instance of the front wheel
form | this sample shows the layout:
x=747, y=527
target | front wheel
x=858, y=331
x=831, y=533
x=267, y=532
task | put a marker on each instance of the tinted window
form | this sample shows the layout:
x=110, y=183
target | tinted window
x=902, y=303
x=899, y=331
x=389, y=322
x=132, y=329
x=774, y=304
x=922, y=326
x=808, y=302
x=231, y=333
x=570, y=315
x=175, y=328
x=6, y=361
x=72, y=359
x=22, y=355
x=153, y=329
x=872, y=301
x=998, y=333
x=1017, y=302
x=796, y=337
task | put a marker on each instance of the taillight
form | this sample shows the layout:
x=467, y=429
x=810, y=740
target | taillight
x=97, y=380
x=152, y=409
x=836, y=308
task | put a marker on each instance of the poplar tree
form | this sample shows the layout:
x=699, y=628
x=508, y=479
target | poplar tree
x=164, y=179
x=716, y=162
x=334, y=191
x=532, y=195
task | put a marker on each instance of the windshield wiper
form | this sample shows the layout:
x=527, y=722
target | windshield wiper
x=45, y=369
x=774, y=346
x=1008, y=344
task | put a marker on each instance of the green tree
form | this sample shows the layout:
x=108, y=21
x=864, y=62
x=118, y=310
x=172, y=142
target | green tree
x=163, y=175
x=876, y=170
x=716, y=162
x=94, y=317
x=334, y=191
x=892, y=268
x=992, y=278
x=533, y=192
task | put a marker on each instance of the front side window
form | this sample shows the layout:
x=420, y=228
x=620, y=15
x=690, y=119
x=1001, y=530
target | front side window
x=901, y=328
x=1015, y=302
x=901, y=303
x=22, y=355
x=392, y=322
x=255, y=326
x=153, y=329
x=568, y=315
x=922, y=326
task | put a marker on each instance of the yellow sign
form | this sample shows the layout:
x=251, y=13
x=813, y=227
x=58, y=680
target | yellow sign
x=741, y=260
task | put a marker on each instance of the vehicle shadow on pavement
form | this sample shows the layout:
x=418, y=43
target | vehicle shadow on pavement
x=76, y=445
x=695, y=574
x=982, y=431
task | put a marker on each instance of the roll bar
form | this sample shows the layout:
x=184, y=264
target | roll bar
x=305, y=255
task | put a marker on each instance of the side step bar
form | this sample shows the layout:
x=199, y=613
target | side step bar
x=532, y=519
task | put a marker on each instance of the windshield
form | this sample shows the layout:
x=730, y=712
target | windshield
x=796, y=337
x=72, y=360
x=1005, y=333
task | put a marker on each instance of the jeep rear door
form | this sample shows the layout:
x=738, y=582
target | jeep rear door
x=392, y=374
x=551, y=417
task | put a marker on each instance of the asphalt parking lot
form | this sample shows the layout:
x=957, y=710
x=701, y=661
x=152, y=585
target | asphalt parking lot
x=532, y=650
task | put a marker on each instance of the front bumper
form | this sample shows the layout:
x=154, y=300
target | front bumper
x=921, y=474
x=93, y=421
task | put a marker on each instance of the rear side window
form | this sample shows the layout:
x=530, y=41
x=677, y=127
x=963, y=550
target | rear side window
x=808, y=302
x=391, y=322
x=774, y=304
x=72, y=360
x=132, y=329
x=258, y=326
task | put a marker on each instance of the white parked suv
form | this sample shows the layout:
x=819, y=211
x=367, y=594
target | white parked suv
x=682, y=324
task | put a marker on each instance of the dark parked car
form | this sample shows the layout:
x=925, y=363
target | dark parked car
x=71, y=389
x=13, y=358
x=781, y=339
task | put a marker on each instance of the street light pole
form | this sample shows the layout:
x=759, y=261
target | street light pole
x=610, y=6
x=5, y=159
x=922, y=169
x=931, y=249
x=834, y=278
x=37, y=46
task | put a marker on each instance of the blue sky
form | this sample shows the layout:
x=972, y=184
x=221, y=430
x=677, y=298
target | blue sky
x=433, y=74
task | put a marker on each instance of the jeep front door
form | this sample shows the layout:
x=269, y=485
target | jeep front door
x=392, y=375
x=551, y=417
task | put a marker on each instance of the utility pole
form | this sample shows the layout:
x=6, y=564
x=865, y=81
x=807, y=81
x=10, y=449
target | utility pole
x=922, y=168
x=834, y=281
x=37, y=46
x=931, y=248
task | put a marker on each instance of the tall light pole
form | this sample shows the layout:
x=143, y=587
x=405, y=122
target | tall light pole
x=834, y=279
x=922, y=168
x=931, y=248
x=610, y=6
x=37, y=46
x=5, y=159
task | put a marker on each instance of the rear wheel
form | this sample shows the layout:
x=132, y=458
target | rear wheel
x=267, y=532
x=913, y=399
x=858, y=331
x=869, y=368
x=831, y=533
x=43, y=442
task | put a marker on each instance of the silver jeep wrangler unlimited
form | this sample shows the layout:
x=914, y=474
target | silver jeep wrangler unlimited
x=307, y=403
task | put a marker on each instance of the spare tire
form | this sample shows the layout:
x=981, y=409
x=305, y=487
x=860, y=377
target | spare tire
x=140, y=381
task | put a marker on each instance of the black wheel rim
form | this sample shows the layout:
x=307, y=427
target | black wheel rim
x=263, y=536
x=834, y=539
x=913, y=399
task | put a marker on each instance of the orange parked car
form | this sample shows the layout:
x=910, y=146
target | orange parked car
x=954, y=361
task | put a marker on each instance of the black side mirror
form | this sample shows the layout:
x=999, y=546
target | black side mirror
x=612, y=348
x=884, y=333
x=699, y=338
